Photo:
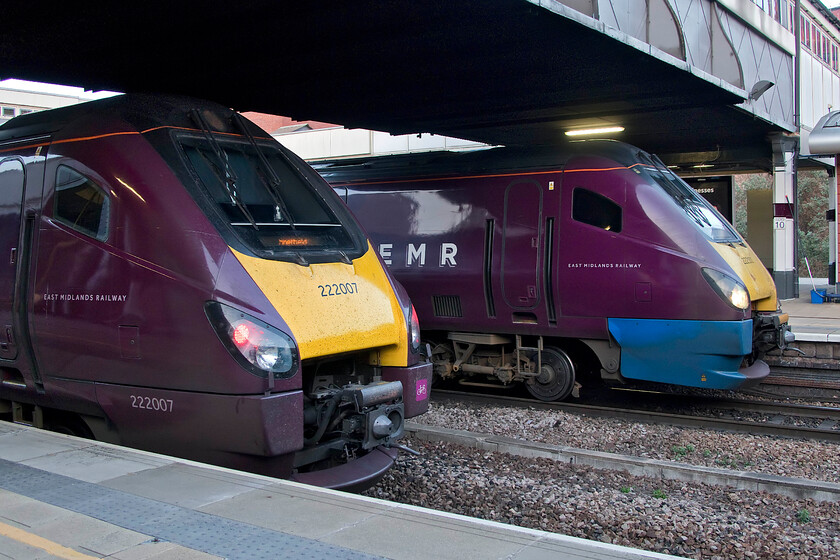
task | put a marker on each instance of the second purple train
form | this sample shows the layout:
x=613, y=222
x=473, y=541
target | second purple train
x=551, y=268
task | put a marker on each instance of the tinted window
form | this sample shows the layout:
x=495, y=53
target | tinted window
x=596, y=210
x=702, y=214
x=80, y=203
x=268, y=203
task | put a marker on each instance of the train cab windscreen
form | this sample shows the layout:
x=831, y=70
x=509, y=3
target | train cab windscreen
x=708, y=220
x=267, y=203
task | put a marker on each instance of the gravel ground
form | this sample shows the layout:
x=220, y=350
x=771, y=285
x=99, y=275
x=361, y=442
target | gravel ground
x=771, y=455
x=685, y=519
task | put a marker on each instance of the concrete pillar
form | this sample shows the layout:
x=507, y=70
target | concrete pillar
x=785, y=152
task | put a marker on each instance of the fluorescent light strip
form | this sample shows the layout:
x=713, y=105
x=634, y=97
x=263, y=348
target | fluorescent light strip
x=588, y=131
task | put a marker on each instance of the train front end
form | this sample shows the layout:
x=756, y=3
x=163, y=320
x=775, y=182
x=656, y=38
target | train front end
x=199, y=291
x=770, y=325
x=732, y=318
x=334, y=322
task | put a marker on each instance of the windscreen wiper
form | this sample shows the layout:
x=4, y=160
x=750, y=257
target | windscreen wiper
x=224, y=172
x=695, y=212
x=273, y=182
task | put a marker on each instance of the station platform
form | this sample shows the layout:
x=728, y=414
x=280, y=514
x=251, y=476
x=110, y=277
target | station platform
x=65, y=497
x=814, y=322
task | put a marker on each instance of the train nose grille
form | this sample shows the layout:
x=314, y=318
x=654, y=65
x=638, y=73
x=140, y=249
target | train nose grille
x=447, y=306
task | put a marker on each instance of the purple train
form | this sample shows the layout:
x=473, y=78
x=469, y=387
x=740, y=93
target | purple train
x=548, y=267
x=176, y=281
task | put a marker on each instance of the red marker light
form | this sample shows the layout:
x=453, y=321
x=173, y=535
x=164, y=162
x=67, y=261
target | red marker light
x=240, y=334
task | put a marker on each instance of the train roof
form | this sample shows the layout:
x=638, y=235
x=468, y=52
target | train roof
x=142, y=111
x=475, y=162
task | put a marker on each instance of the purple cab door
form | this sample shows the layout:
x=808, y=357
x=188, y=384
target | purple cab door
x=521, y=244
x=11, y=197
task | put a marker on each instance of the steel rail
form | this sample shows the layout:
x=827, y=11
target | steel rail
x=644, y=416
x=769, y=408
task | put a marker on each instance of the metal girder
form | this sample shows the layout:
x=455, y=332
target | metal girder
x=501, y=72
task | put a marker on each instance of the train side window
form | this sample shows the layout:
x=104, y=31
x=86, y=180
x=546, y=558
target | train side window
x=80, y=203
x=596, y=210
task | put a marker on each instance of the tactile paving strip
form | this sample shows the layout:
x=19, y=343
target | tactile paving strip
x=193, y=529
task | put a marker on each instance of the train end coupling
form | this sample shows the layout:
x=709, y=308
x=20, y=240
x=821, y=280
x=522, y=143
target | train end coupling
x=351, y=428
x=771, y=331
x=362, y=416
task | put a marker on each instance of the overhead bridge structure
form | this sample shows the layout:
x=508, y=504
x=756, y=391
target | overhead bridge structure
x=676, y=74
x=700, y=82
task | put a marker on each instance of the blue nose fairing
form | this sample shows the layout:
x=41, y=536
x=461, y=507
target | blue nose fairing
x=704, y=354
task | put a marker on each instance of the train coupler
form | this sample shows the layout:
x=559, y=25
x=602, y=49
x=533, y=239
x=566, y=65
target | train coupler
x=772, y=331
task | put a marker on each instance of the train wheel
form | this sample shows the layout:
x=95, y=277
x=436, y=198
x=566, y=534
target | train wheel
x=441, y=358
x=556, y=379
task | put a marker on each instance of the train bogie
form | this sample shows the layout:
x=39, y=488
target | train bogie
x=594, y=256
x=178, y=282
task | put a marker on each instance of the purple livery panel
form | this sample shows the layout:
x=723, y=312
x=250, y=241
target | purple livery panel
x=142, y=304
x=547, y=267
x=485, y=243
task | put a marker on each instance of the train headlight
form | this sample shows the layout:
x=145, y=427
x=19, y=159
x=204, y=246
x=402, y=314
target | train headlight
x=254, y=344
x=413, y=328
x=730, y=290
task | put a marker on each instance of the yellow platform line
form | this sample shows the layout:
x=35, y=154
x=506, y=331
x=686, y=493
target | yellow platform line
x=38, y=542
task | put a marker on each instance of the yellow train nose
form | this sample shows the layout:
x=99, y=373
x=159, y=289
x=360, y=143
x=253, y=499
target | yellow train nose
x=333, y=308
x=750, y=270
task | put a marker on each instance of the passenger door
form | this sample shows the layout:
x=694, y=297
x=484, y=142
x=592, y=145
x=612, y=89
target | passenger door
x=521, y=244
x=11, y=198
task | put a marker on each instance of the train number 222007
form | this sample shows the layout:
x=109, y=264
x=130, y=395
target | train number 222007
x=338, y=289
x=151, y=403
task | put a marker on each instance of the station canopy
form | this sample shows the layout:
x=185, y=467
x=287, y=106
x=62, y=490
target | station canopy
x=501, y=72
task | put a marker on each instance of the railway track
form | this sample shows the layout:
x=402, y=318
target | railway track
x=813, y=383
x=741, y=416
x=807, y=370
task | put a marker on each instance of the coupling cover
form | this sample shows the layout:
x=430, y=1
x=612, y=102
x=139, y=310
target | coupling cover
x=374, y=394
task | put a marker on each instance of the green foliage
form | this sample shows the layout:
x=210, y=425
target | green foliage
x=814, y=189
x=681, y=451
x=725, y=461
x=659, y=494
x=626, y=489
x=803, y=516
